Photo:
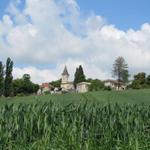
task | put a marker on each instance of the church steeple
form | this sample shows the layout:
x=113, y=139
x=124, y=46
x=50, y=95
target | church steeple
x=65, y=76
x=65, y=72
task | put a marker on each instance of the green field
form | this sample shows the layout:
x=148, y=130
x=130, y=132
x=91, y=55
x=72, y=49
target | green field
x=92, y=121
x=121, y=97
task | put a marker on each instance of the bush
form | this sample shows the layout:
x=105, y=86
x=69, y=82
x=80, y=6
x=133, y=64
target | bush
x=47, y=92
x=20, y=95
x=107, y=88
x=96, y=85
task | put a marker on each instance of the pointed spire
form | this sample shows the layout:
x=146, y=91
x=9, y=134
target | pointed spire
x=65, y=72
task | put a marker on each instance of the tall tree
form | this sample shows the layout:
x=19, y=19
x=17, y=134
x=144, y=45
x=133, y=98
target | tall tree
x=120, y=70
x=125, y=77
x=76, y=76
x=79, y=76
x=8, y=85
x=1, y=79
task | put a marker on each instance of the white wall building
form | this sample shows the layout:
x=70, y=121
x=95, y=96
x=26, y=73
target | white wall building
x=83, y=87
x=113, y=84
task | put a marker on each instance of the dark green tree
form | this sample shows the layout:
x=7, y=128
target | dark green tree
x=24, y=86
x=148, y=80
x=136, y=84
x=1, y=79
x=8, y=84
x=82, y=77
x=140, y=81
x=76, y=76
x=79, y=76
x=141, y=77
x=18, y=86
x=26, y=77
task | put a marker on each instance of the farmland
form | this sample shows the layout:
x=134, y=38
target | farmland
x=91, y=121
x=131, y=97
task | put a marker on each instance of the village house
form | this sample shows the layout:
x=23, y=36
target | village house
x=115, y=85
x=67, y=85
x=83, y=87
x=45, y=87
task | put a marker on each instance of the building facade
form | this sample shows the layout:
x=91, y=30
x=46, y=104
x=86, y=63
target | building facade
x=83, y=87
x=66, y=85
x=115, y=85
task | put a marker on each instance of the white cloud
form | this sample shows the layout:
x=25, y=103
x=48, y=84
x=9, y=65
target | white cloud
x=37, y=75
x=57, y=32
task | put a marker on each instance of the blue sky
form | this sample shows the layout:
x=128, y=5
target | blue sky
x=3, y=5
x=124, y=14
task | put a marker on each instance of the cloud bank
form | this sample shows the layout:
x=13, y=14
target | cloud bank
x=57, y=32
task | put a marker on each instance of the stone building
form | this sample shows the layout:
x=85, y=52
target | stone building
x=45, y=87
x=113, y=84
x=83, y=87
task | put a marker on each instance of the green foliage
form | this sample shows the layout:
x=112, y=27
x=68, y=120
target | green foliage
x=136, y=84
x=1, y=79
x=141, y=81
x=148, y=80
x=47, y=92
x=125, y=76
x=79, y=75
x=26, y=77
x=75, y=127
x=56, y=83
x=8, y=85
x=141, y=77
x=120, y=70
x=107, y=88
x=20, y=95
x=96, y=85
x=25, y=86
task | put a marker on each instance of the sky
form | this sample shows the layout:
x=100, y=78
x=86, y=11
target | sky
x=124, y=14
x=42, y=37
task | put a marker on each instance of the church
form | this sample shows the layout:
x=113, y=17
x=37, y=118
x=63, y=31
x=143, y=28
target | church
x=67, y=85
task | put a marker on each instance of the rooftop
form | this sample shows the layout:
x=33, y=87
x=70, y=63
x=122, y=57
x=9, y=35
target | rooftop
x=65, y=72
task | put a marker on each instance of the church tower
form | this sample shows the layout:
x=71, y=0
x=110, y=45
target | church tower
x=65, y=76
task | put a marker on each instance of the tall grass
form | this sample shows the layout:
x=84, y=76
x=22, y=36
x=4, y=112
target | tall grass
x=74, y=127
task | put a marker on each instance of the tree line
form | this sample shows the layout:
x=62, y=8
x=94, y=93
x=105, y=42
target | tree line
x=120, y=71
x=10, y=87
x=24, y=85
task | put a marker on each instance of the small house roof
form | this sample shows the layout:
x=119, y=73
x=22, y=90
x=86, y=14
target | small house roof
x=65, y=72
x=46, y=85
x=113, y=81
x=85, y=83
